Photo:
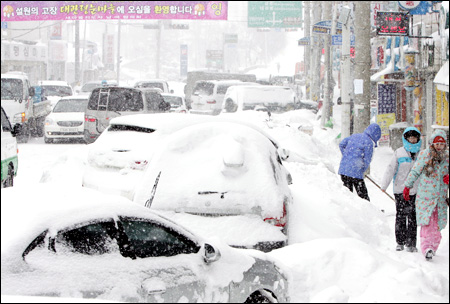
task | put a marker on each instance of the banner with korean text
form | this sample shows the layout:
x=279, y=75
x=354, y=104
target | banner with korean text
x=109, y=10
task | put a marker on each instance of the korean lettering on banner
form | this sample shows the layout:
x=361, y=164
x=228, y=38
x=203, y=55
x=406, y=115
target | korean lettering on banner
x=93, y=10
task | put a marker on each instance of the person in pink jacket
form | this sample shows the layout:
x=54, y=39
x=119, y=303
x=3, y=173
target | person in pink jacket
x=431, y=169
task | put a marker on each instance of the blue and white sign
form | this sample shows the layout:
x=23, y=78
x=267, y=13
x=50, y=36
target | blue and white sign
x=324, y=27
x=337, y=40
x=416, y=7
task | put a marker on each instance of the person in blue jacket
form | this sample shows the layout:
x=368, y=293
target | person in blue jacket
x=357, y=151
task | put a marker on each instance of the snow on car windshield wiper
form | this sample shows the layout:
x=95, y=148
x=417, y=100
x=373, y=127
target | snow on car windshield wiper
x=114, y=127
x=222, y=194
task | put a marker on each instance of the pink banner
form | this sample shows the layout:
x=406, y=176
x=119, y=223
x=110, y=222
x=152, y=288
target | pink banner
x=98, y=10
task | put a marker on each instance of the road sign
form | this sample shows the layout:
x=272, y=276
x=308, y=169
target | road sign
x=278, y=14
x=230, y=38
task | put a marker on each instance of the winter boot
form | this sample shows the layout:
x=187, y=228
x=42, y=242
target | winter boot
x=411, y=249
x=429, y=254
x=399, y=247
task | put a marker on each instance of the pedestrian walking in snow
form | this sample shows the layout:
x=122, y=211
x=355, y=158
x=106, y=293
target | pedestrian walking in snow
x=431, y=169
x=357, y=151
x=397, y=171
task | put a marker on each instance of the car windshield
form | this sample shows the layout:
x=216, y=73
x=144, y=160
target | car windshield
x=70, y=105
x=88, y=87
x=12, y=89
x=173, y=100
x=50, y=90
x=158, y=85
x=222, y=89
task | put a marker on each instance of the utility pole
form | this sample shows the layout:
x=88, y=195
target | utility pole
x=307, y=50
x=346, y=84
x=362, y=66
x=326, y=111
x=316, y=53
x=158, y=47
x=77, y=51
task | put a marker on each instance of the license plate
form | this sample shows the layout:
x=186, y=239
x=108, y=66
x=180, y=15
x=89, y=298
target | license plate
x=69, y=130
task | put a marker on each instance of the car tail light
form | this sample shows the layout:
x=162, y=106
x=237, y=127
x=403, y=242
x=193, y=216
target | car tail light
x=210, y=101
x=279, y=221
x=88, y=118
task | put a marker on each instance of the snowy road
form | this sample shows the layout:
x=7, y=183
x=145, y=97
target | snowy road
x=342, y=248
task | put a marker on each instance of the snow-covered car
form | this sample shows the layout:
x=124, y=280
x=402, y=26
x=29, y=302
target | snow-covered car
x=53, y=90
x=66, y=121
x=118, y=158
x=223, y=179
x=81, y=243
x=153, y=83
x=88, y=87
x=177, y=102
x=208, y=95
x=274, y=98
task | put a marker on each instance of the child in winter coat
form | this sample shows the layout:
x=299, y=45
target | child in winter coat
x=357, y=153
x=431, y=169
x=398, y=170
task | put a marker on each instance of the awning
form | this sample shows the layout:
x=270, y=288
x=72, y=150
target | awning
x=441, y=79
x=388, y=70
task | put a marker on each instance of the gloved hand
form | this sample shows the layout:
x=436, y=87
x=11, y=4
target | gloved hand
x=406, y=194
x=446, y=179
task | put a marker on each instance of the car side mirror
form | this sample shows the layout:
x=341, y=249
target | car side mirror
x=16, y=130
x=211, y=254
x=172, y=91
x=31, y=92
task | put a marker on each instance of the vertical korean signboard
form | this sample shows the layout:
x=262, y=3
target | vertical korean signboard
x=387, y=105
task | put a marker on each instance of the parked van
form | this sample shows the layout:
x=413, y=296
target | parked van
x=207, y=96
x=273, y=98
x=108, y=102
x=9, y=152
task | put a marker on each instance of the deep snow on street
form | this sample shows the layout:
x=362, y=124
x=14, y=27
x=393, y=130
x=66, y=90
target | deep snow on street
x=342, y=248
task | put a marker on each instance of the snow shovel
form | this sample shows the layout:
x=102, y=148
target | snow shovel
x=369, y=178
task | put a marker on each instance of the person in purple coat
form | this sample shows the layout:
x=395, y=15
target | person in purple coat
x=357, y=151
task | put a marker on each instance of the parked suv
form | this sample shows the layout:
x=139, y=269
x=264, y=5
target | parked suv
x=108, y=102
x=207, y=96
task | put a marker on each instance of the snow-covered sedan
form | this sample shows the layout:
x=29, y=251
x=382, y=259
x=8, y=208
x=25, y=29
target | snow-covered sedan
x=81, y=243
x=224, y=179
x=66, y=121
x=120, y=155
x=177, y=102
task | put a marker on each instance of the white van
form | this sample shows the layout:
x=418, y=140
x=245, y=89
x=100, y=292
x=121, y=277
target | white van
x=207, y=96
x=273, y=98
x=10, y=160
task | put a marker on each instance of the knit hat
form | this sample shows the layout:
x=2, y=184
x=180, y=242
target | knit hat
x=438, y=139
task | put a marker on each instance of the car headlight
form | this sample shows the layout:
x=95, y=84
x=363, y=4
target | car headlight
x=48, y=121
